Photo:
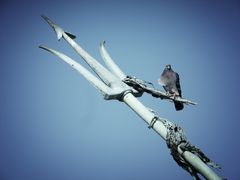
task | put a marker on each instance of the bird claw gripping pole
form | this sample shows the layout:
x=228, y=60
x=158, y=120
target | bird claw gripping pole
x=114, y=84
x=141, y=86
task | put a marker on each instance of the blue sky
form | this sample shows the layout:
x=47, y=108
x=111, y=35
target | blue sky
x=55, y=125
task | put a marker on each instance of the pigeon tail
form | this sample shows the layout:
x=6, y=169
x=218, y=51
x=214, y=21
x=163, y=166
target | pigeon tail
x=178, y=106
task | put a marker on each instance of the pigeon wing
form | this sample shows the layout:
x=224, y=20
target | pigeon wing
x=178, y=86
x=163, y=78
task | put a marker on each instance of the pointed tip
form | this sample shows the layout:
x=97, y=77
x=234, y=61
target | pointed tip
x=41, y=47
x=55, y=27
x=45, y=48
x=47, y=19
x=43, y=16
x=102, y=43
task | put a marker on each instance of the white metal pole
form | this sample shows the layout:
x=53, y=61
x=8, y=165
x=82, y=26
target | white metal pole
x=200, y=166
x=159, y=127
x=145, y=114
x=125, y=94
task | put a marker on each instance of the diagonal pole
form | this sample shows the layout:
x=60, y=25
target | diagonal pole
x=186, y=155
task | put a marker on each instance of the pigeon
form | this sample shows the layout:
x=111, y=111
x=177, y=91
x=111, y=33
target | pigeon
x=171, y=83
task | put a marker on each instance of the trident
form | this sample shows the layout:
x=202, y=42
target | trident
x=114, y=84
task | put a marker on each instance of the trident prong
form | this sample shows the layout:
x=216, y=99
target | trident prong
x=115, y=87
x=107, y=77
x=110, y=63
x=114, y=68
x=106, y=91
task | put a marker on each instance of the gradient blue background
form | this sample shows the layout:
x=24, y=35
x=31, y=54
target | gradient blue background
x=55, y=125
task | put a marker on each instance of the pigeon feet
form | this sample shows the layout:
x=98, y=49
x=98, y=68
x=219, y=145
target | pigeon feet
x=168, y=93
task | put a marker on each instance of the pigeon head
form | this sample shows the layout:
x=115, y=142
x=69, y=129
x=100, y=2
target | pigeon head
x=168, y=67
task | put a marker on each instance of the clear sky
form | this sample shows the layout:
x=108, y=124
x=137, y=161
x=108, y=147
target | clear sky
x=55, y=125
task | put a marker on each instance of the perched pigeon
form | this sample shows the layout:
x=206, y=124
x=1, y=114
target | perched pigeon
x=171, y=83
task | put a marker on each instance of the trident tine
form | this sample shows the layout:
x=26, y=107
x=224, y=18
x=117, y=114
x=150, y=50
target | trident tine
x=114, y=68
x=110, y=63
x=98, y=84
x=107, y=77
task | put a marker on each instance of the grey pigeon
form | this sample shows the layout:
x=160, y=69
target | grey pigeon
x=171, y=83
